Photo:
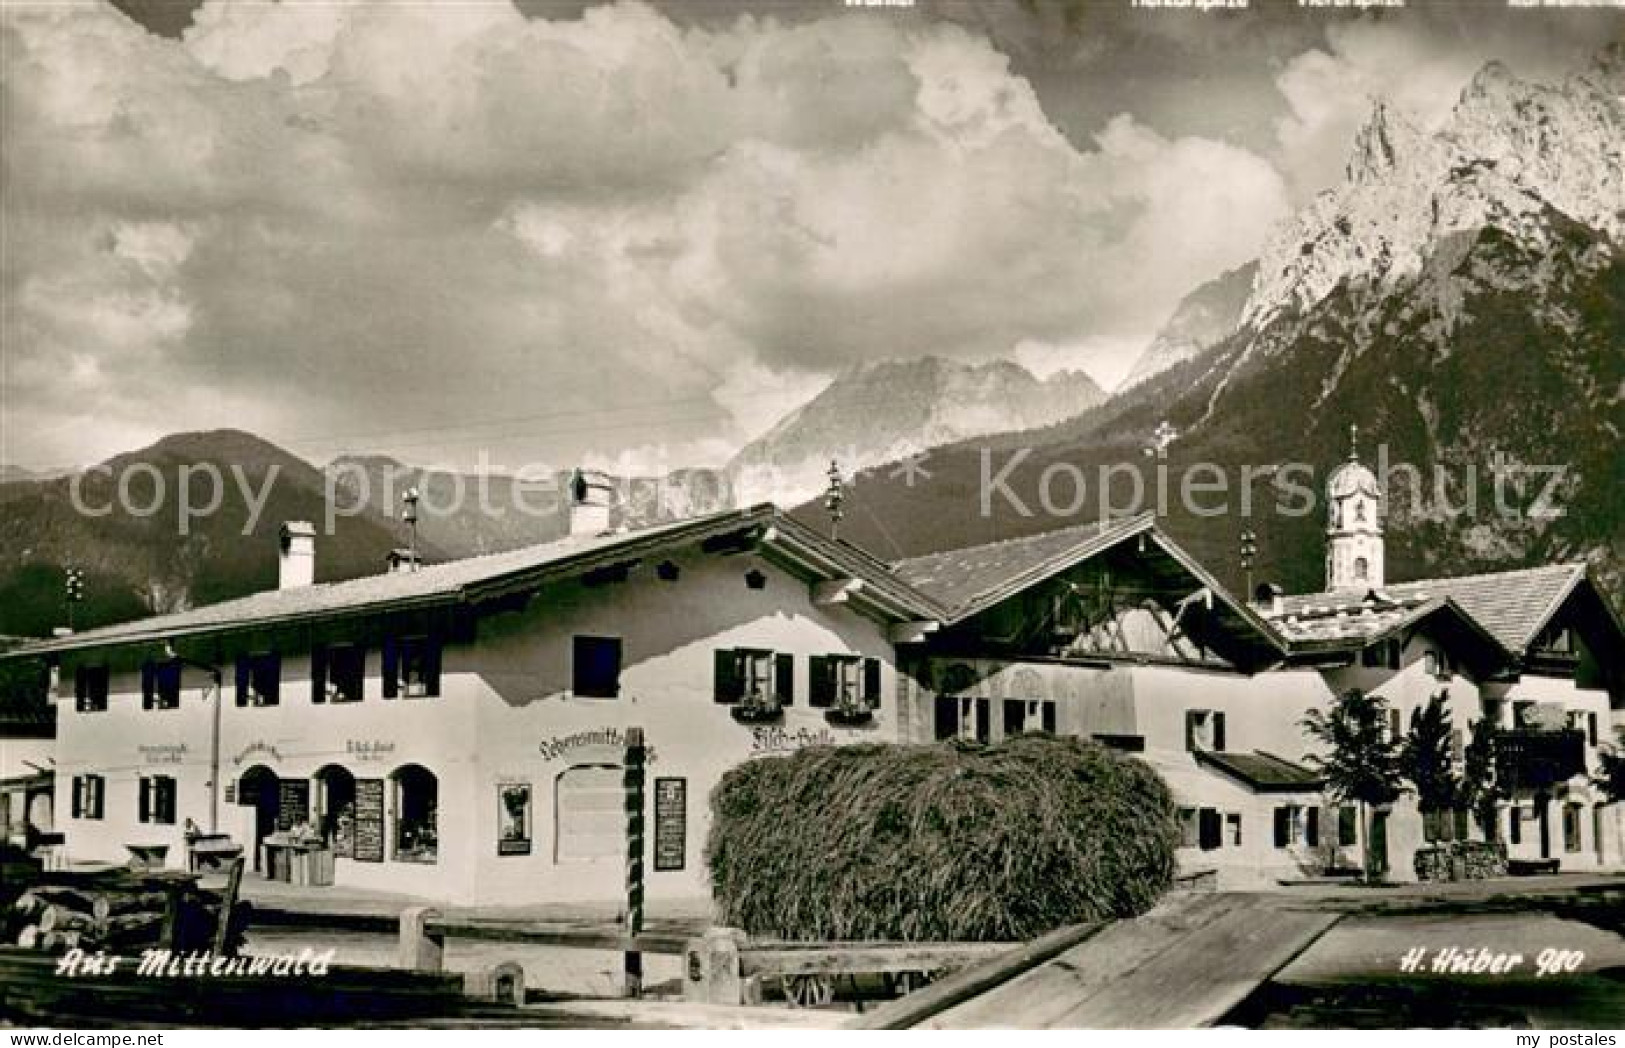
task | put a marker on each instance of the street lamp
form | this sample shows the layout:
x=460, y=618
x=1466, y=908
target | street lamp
x=73, y=592
x=1249, y=552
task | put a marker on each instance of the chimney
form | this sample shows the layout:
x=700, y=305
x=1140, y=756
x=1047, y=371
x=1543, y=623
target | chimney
x=589, y=496
x=296, y=565
x=403, y=560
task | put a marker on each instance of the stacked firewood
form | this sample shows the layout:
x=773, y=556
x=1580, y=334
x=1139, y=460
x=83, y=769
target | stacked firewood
x=121, y=916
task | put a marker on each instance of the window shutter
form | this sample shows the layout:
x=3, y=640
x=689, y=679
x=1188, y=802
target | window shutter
x=147, y=685
x=726, y=685
x=1347, y=831
x=79, y=689
x=391, y=658
x=1208, y=829
x=1283, y=827
x=273, y=678
x=1311, y=827
x=821, y=681
x=984, y=713
x=1190, y=731
x=871, y=682
x=78, y=796
x=243, y=668
x=1591, y=727
x=1218, y=732
x=146, y=799
x=784, y=677
x=1047, y=713
x=431, y=666
x=318, y=674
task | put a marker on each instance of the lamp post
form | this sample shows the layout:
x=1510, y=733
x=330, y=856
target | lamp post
x=1249, y=551
x=214, y=730
x=834, y=497
x=409, y=514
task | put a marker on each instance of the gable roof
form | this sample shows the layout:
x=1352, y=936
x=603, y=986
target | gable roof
x=493, y=575
x=1262, y=772
x=966, y=582
x=1512, y=606
x=1354, y=625
x=972, y=579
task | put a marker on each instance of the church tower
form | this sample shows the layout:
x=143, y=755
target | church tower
x=1353, y=525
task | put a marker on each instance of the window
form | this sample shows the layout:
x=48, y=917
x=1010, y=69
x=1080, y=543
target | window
x=1232, y=830
x=1591, y=728
x=1396, y=729
x=1283, y=826
x=1359, y=517
x=1382, y=655
x=417, y=802
x=1362, y=567
x=1188, y=836
x=337, y=672
x=89, y=796
x=1024, y=715
x=411, y=667
x=161, y=685
x=843, y=681
x=596, y=668
x=1204, y=730
x=1515, y=824
x=1348, y=826
x=1436, y=664
x=90, y=689
x=748, y=673
x=157, y=800
x=1311, y=827
x=259, y=679
x=962, y=717
x=1571, y=827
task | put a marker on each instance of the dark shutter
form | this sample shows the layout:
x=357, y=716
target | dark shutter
x=871, y=682
x=244, y=666
x=1515, y=825
x=1591, y=727
x=984, y=714
x=947, y=725
x=1311, y=827
x=1218, y=732
x=391, y=659
x=1190, y=731
x=1283, y=827
x=271, y=675
x=1208, y=829
x=784, y=677
x=1015, y=717
x=318, y=674
x=78, y=796
x=146, y=799
x=1047, y=713
x=148, y=685
x=726, y=685
x=1348, y=833
x=821, y=681
x=431, y=666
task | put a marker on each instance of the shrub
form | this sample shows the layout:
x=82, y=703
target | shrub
x=951, y=841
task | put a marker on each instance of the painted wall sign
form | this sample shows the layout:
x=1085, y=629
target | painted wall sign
x=172, y=753
x=369, y=820
x=594, y=745
x=771, y=739
x=671, y=824
x=369, y=749
x=257, y=749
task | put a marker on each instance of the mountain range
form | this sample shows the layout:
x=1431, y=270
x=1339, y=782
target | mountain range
x=1459, y=295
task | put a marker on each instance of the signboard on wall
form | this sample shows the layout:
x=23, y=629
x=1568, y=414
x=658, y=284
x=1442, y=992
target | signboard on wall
x=369, y=820
x=671, y=824
x=513, y=818
x=293, y=803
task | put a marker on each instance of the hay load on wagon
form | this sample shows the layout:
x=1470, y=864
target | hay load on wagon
x=950, y=841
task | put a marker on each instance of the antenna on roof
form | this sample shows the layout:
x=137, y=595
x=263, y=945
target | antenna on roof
x=834, y=497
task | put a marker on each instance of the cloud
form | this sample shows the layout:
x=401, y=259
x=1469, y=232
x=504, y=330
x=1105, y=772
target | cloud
x=429, y=228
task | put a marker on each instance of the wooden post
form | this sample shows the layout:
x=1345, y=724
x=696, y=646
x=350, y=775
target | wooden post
x=633, y=781
x=419, y=950
x=228, y=906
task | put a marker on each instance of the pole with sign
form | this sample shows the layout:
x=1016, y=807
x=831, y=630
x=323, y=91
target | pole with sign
x=633, y=782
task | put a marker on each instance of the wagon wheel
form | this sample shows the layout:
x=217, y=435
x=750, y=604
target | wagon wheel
x=808, y=991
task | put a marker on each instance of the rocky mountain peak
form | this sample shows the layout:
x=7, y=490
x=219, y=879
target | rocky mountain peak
x=1383, y=143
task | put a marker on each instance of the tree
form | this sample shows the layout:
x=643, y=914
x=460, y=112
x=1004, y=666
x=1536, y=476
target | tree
x=1481, y=787
x=1611, y=771
x=1361, y=761
x=1428, y=765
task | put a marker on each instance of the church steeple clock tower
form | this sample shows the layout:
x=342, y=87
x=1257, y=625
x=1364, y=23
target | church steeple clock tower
x=1354, y=551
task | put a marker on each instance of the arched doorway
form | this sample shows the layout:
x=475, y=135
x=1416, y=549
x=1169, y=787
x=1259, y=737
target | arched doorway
x=335, y=809
x=260, y=788
x=417, y=804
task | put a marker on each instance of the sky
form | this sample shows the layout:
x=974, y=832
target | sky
x=481, y=235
